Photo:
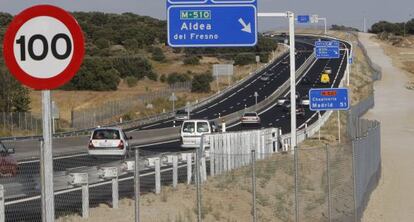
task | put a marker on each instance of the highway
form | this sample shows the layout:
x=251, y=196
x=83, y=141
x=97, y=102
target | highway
x=225, y=104
x=234, y=100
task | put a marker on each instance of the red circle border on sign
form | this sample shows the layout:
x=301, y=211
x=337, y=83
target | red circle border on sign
x=78, y=47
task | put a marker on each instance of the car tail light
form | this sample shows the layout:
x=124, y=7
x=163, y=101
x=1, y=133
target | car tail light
x=121, y=145
x=91, y=146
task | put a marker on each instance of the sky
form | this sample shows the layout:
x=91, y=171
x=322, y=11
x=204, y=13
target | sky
x=349, y=12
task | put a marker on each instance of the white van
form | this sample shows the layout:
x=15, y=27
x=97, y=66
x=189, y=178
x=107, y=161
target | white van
x=108, y=142
x=191, y=132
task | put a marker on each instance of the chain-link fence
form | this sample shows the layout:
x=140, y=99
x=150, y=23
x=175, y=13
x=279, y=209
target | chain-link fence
x=257, y=183
x=105, y=113
x=20, y=122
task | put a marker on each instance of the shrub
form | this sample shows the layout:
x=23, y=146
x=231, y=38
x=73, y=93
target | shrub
x=158, y=54
x=131, y=81
x=177, y=77
x=163, y=78
x=95, y=74
x=245, y=59
x=191, y=60
x=201, y=83
x=138, y=67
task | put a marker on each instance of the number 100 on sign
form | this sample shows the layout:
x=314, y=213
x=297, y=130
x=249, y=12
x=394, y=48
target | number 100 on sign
x=43, y=52
x=43, y=47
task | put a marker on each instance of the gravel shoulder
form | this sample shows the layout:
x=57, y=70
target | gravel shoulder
x=392, y=199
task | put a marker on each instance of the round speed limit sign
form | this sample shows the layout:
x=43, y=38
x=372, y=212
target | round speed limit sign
x=43, y=47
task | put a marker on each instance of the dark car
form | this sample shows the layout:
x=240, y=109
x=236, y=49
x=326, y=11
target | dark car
x=8, y=162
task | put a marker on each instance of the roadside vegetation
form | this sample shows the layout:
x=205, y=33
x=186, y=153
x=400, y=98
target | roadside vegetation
x=124, y=51
x=393, y=28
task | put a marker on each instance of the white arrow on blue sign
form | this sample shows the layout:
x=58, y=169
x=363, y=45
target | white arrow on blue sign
x=327, y=49
x=212, y=23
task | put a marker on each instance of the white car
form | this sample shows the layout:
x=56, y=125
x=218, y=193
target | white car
x=250, y=118
x=328, y=70
x=305, y=101
x=108, y=142
x=264, y=78
x=281, y=101
x=191, y=132
x=181, y=115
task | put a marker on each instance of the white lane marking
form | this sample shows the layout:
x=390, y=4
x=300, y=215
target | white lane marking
x=56, y=158
x=145, y=127
x=202, y=110
x=157, y=143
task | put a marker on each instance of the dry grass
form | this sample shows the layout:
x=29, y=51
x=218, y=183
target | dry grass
x=402, y=56
x=68, y=100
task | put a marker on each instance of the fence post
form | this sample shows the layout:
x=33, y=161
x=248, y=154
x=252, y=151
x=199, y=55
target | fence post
x=115, y=193
x=339, y=126
x=354, y=171
x=175, y=170
x=329, y=183
x=157, y=175
x=85, y=201
x=2, y=213
x=319, y=123
x=296, y=151
x=253, y=157
x=212, y=154
x=137, y=185
x=189, y=167
x=203, y=168
x=198, y=179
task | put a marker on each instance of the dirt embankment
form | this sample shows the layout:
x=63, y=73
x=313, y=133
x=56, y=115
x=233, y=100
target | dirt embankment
x=401, y=54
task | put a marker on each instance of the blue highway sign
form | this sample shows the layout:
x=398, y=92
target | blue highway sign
x=212, y=23
x=303, y=18
x=328, y=99
x=327, y=49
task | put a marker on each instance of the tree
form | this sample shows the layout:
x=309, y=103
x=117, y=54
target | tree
x=245, y=59
x=95, y=74
x=201, y=83
x=158, y=54
x=135, y=66
x=13, y=96
x=102, y=43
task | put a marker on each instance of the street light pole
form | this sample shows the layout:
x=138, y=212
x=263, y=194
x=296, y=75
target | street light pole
x=291, y=17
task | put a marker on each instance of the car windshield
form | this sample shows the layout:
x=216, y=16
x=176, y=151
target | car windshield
x=106, y=134
x=189, y=127
x=202, y=127
x=181, y=112
x=250, y=114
